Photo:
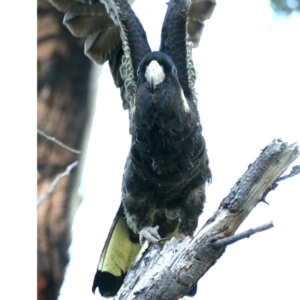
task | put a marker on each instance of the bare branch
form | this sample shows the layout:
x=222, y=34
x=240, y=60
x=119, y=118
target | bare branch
x=295, y=171
x=245, y=234
x=55, y=181
x=171, y=272
x=54, y=140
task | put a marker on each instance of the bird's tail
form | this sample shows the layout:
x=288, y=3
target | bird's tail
x=120, y=249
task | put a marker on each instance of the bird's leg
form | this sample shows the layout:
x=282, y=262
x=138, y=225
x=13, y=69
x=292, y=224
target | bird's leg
x=150, y=234
x=192, y=210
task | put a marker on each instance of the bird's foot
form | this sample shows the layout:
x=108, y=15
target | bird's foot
x=150, y=234
x=181, y=236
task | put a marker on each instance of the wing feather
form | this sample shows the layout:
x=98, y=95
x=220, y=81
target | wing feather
x=199, y=11
x=84, y=25
x=181, y=31
x=102, y=45
x=113, y=33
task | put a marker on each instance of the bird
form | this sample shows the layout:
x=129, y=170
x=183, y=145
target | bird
x=167, y=168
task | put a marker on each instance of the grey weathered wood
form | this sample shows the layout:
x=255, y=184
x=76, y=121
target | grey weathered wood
x=169, y=273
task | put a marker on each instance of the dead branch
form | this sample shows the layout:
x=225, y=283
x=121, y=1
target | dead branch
x=245, y=234
x=56, y=141
x=170, y=273
x=55, y=182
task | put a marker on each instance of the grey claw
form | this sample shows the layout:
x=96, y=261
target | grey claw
x=164, y=240
x=150, y=234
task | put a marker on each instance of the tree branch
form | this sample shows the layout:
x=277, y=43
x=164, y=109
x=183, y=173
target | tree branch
x=295, y=171
x=54, y=140
x=55, y=182
x=171, y=272
x=245, y=234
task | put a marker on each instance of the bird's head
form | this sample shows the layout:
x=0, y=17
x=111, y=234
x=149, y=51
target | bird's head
x=159, y=90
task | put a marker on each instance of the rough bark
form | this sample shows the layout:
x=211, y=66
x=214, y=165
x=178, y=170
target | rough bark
x=64, y=111
x=170, y=273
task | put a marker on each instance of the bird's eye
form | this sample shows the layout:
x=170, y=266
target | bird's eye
x=174, y=70
x=138, y=72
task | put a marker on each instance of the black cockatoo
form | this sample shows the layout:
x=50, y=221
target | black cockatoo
x=163, y=189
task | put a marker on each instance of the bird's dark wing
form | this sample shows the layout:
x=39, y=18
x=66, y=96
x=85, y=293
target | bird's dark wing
x=89, y=19
x=181, y=31
x=134, y=44
x=119, y=251
x=199, y=11
x=109, y=27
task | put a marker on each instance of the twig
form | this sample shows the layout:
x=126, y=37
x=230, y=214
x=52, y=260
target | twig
x=245, y=234
x=295, y=171
x=55, y=181
x=54, y=140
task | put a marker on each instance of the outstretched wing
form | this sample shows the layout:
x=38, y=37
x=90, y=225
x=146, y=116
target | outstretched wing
x=89, y=19
x=113, y=33
x=181, y=31
x=111, y=26
x=134, y=44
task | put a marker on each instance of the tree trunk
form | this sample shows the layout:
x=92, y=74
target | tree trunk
x=65, y=109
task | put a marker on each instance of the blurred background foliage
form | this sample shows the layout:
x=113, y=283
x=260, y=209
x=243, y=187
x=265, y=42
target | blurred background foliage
x=285, y=7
